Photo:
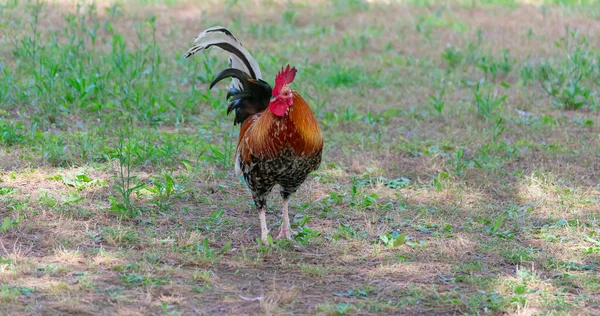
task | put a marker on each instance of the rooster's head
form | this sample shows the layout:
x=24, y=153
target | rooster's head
x=282, y=97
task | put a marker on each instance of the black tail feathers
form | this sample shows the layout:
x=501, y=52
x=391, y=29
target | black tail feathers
x=252, y=99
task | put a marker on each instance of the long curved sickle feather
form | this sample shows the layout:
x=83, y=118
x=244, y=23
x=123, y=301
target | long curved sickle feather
x=232, y=72
x=239, y=57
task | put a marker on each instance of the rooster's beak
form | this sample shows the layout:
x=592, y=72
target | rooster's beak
x=272, y=99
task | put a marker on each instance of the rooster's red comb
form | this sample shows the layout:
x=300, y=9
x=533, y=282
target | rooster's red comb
x=284, y=77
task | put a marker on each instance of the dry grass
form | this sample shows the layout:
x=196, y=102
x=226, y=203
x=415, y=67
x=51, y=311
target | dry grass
x=501, y=222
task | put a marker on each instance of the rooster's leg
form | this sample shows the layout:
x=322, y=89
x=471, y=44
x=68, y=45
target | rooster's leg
x=264, y=231
x=285, y=230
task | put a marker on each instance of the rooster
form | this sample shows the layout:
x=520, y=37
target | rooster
x=280, y=141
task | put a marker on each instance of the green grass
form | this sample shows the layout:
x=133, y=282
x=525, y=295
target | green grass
x=459, y=173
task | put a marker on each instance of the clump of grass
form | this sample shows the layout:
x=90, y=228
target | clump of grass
x=342, y=76
x=126, y=184
x=314, y=270
x=10, y=294
x=118, y=236
x=518, y=255
x=437, y=102
x=470, y=55
x=337, y=309
x=570, y=81
x=488, y=104
x=350, y=6
x=11, y=133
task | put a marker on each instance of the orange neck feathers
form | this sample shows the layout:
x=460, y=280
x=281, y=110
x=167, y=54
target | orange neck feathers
x=266, y=136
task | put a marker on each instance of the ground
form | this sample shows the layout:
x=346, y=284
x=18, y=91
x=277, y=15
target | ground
x=460, y=171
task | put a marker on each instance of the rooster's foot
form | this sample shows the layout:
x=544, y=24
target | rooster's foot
x=287, y=233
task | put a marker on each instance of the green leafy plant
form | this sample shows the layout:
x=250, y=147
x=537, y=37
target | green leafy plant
x=459, y=163
x=221, y=154
x=80, y=181
x=304, y=234
x=453, y=56
x=125, y=184
x=164, y=190
x=206, y=252
x=567, y=90
x=344, y=231
x=212, y=222
x=487, y=104
x=438, y=102
x=492, y=67
x=438, y=181
x=11, y=133
x=570, y=82
x=8, y=223
x=494, y=229
x=352, y=293
x=393, y=239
